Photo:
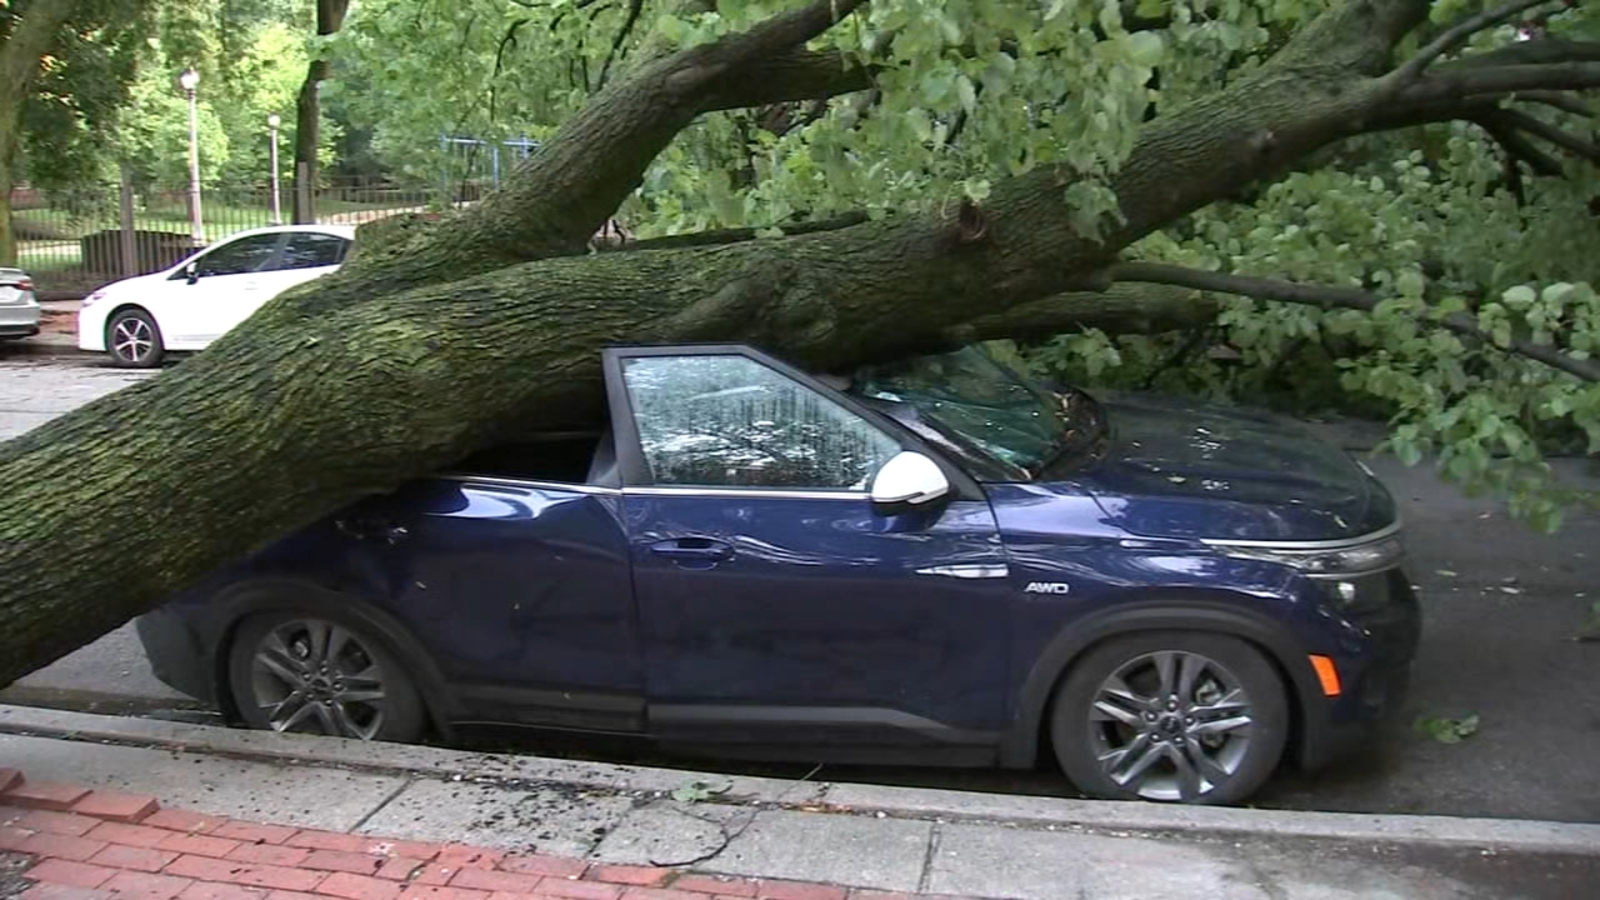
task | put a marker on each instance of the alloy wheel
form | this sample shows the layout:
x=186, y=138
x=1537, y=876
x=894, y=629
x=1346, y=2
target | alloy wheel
x=313, y=675
x=133, y=339
x=1171, y=725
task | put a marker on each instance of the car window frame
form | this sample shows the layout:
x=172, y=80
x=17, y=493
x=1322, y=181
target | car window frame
x=198, y=259
x=290, y=236
x=635, y=469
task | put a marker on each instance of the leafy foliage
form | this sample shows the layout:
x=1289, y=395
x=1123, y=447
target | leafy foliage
x=83, y=85
x=110, y=95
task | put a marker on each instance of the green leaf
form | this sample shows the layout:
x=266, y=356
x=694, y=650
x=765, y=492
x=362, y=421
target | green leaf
x=1448, y=731
x=967, y=93
x=1519, y=297
x=1144, y=48
x=1410, y=284
x=699, y=791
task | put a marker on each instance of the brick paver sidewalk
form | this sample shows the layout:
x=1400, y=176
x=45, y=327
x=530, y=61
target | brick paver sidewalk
x=96, y=845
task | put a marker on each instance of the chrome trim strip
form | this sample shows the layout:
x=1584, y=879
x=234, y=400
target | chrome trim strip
x=1399, y=562
x=530, y=483
x=969, y=570
x=760, y=493
x=1311, y=546
x=763, y=493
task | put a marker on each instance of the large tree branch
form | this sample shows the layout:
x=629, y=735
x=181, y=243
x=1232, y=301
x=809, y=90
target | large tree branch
x=1330, y=297
x=1545, y=131
x=1541, y=71
x=1119, y=309
x=1526, y=53
x=739, y=235
x=783, y=32
x=1456, y=35
x=1517, y=147
x=556, y=200
x=1502, y=80
x=788, y=77
x=1557, y=100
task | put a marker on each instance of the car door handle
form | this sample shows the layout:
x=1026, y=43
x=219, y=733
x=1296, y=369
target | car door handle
x=693, y=552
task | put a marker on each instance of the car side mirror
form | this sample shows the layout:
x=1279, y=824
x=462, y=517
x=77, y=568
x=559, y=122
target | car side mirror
x=909, y=479
x=191, y=272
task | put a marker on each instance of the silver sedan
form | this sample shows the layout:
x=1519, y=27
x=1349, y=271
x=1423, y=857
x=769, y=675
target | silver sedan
x=19, y=309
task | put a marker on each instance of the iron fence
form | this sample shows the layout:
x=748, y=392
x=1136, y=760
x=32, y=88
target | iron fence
x=76, y=240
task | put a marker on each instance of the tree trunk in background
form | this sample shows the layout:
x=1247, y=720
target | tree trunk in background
x=30, y=39
x=308, y=112
x=9, y=139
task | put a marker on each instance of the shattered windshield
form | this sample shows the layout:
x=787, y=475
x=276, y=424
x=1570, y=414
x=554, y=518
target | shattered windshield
x=1004, y=414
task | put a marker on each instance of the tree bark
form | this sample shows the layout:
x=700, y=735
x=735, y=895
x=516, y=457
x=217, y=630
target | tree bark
x=308, y=111
x=30, y=38
x=436, y=340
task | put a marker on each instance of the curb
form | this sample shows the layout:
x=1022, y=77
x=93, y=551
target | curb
x=1522, y=835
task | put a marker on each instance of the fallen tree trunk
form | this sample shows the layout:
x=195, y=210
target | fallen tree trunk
x=438, y=339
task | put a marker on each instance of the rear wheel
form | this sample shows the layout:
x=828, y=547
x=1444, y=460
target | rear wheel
x=1171, y=716
x=321, y=673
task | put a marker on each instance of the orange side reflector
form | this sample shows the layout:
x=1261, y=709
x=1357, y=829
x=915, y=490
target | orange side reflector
x=1327, y=674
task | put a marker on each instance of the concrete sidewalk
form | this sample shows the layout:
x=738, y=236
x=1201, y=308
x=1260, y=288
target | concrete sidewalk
x=675, y=833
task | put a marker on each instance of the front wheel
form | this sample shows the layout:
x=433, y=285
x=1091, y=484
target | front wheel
x=134, y=340
x=294, y=670
x=1171, y=716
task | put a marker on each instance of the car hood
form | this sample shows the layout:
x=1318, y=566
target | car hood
x=133, y=281
x=1185, y=469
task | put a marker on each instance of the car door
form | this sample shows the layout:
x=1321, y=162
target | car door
x=776, y=603
x=207, y=294
x=514, y=575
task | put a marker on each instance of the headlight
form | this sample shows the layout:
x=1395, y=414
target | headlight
x=1362, y=595
x=1324, y=562
x=94, y=297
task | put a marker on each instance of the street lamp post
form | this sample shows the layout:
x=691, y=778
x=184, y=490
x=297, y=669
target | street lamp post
x=277, y=209
x=190, y=79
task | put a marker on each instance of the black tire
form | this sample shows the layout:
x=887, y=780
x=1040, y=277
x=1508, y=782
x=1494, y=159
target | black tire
x=133, y=340
x=1148, y=758
x=335, y=698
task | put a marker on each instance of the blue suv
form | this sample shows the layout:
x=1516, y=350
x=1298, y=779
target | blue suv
x=933, y=561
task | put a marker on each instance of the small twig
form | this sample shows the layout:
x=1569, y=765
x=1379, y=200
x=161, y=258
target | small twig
x=510, y=39
x=1456, y=35
x=728, y=837
x=634, y=8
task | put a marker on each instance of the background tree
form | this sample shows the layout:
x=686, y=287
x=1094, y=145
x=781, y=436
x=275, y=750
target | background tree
x=64, y=67
x=995, y=170
x=308, y=107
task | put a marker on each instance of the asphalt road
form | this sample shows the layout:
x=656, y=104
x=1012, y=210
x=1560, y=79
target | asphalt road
x=1502, y=605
